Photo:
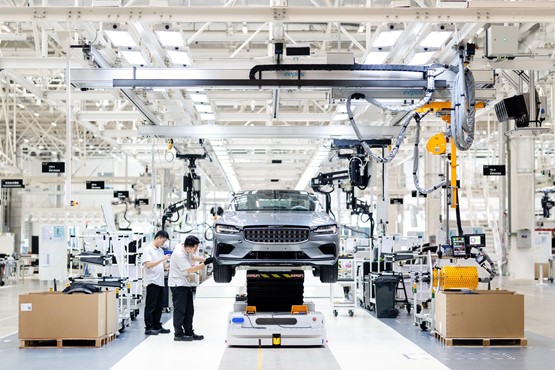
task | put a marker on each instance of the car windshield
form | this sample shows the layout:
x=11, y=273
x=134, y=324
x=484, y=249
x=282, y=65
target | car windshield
x=275, y=200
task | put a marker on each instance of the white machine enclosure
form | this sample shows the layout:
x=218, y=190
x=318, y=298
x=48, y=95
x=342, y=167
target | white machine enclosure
x=260, y=329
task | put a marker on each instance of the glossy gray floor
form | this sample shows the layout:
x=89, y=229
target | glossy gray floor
x=359, y=342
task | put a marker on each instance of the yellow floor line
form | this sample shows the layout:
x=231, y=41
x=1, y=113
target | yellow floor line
x=259, y=358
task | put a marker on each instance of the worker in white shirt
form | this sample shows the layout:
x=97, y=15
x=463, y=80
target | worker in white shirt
x=182, y=266
x=154, y=261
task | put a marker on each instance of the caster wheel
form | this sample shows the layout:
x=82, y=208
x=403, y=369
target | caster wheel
x=2, y=283
x=351, y=313
x=335, y=313
x=423, y=326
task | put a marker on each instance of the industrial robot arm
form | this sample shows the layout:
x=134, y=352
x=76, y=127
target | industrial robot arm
x=171, y=210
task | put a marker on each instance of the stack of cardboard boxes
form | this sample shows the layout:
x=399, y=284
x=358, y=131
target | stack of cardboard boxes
x=479, y=314
x=55, y=315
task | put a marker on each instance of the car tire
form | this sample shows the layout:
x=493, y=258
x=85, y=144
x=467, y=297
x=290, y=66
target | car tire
x=328, y=274
x=222, y=273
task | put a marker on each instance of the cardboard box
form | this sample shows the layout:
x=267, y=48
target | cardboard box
x=54, y=315
x=480, y=314
x=111, y=312
x=545, y=271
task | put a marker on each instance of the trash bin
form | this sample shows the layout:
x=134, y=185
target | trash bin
x=385, y=287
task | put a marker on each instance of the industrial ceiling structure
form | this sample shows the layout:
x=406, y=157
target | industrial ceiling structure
x=256, y=137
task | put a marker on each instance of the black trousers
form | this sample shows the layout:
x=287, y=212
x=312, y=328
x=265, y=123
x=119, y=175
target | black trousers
x=183, y=310
x=153, y=306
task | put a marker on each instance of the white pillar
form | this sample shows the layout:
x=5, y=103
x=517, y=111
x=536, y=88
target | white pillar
x=521, y=216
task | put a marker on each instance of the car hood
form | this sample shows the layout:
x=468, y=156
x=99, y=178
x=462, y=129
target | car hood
x=259, y=218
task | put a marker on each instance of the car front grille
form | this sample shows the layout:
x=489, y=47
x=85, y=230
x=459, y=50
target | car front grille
x=277, y=235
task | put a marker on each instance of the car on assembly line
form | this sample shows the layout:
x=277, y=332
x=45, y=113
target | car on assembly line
x=275, y=228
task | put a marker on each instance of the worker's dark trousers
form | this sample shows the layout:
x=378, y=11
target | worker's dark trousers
x=153, y=306
x=183, y=310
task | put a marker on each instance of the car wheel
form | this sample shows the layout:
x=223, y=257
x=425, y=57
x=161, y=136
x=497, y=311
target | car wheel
x=328, y=274
x=222, y=273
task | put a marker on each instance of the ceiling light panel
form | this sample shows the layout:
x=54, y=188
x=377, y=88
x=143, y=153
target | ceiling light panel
x=199, y=98
x=421, y=58
x=435, y=39
x=387, y=38
x=133, y=57
x=170, y=38
x=179, y=57
x=121, y=39
x=203, y=108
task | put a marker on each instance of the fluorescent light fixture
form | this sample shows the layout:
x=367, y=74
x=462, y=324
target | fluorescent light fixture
x=387, y=38
x=54, y=124
x=21, y=106
x=203, y=108
x=376, y=57
x=313, y=167
x=134, y=57
x=245, y=29
x=223, y=157
x=435, y=39
x=170, y=38
x=121, y=39
x=6, y=28
x=36, y=114
x=26, y=140
x=179, y=57
x=199, y=98
x=421, y=58
x=360, y=28
x=207, y=116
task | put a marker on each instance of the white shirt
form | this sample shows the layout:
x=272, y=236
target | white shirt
x=154, y=275
x=180, y=262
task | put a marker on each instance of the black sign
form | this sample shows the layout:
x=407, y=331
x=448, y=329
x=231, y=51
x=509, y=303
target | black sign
x=13, y=184
x=494, y=170
x=53, y=167
x=141, y=202
x=95, y=185
x=418, y=194
x=396, y=201
x=121, y=194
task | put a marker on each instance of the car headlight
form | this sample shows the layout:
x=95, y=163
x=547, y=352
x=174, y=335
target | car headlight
x=226, y=229
x=328, y=229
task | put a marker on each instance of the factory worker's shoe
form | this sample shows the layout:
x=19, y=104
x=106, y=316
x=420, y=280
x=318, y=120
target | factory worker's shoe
x=183, y=338
x=197, y=337
x=152, y=332
x=164, y=331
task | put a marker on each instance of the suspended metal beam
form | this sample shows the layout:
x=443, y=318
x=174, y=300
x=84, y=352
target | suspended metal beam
x=229, y=78
x=476, y=11
x=292, y=132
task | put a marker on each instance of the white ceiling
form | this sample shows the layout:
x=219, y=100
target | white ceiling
x=39, y=40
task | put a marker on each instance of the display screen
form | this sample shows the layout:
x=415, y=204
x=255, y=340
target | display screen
x=476, y=240
x=459, y=246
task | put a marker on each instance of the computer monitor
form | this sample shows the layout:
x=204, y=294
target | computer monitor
x=459, y=246
x=476, y=240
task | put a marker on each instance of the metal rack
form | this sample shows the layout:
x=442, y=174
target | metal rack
x=112, y=262
x=347, y=280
